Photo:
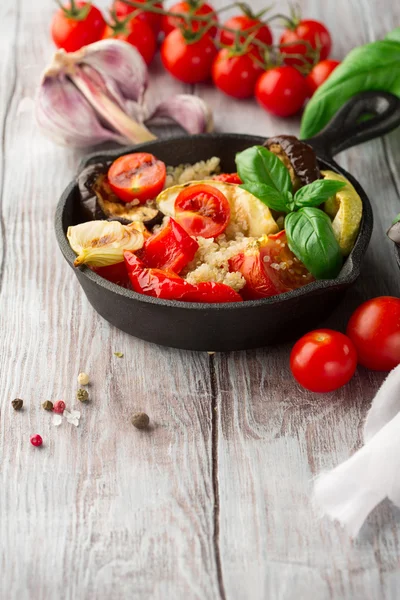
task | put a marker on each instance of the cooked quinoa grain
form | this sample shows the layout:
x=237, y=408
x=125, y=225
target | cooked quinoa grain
x=186, y=172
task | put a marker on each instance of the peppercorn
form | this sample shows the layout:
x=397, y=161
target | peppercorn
x=82, y=395
x=17, y=404
x=83, y=378
x=59, y=407
x=140, y=420
x=36, y=440
x=47, y=405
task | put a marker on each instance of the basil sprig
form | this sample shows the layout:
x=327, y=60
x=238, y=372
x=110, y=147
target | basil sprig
x=308, y=229
x=374, y=66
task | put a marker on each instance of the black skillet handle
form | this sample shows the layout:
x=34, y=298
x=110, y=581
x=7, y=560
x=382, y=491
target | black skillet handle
x=347, y=128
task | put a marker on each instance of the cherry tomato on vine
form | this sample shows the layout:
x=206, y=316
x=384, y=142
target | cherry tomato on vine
x=194, y=7
x=138, y=34
x=323, y=360
x=235, y=75
x=249, y=26
x=153, y=20
x=320, y=73
x=316, y=36
x=188, y=62
x=202, y=210
x=374, y=329
x=77, y=25
x=138, y=176
x=281, y=91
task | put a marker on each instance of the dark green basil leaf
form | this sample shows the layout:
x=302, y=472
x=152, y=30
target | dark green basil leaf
x=259, y=165
x=394, y=36
x=281, y=202
x=317, y=192
x=374, y=66
x=310, y=237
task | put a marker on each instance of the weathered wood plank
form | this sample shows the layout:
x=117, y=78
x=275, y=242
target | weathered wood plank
x=103, y=510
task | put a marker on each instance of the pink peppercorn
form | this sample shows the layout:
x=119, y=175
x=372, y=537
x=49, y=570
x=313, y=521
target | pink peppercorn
x=59, y=407
x=36, y=440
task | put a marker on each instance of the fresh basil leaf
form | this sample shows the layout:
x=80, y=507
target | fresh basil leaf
x=270, y=196
x=394, y=36
x=396, y=219
x=317, y=192
x=374, y=66
x=259, y=165
x=310, y=237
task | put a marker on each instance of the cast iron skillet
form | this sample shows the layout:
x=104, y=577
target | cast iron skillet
x=237, y=326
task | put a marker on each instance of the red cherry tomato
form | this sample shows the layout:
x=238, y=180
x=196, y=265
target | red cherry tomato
x=153, y=20
x=170, y=248
x=170, y=23
x=71, y=30
x=235, y=75
x=213, y=293
x=190, y=63
x=320, y=73
x=138, y=34
x=249, y=27
x=282, y=91
x=323, y=360
x=228, y=178
x=202, y=210
x=139, y=176
x=270, y=268
x=374, y=329
x=313, y=32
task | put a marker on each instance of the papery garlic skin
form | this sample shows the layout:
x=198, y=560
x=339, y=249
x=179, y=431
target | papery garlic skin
x=190, y=112
x=102, y=243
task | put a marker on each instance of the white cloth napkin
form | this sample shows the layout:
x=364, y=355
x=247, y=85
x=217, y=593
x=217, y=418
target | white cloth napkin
x=349, y=492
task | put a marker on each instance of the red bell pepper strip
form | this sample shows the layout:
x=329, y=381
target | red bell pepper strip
x=212, y=292
x=228, y=178
x=114, y=273
x=171, y=248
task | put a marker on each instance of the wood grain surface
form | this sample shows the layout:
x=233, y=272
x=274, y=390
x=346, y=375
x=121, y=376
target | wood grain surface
x=214, y=501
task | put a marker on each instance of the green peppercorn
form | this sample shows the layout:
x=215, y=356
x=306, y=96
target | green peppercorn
x=140, y=420
x=17, y=404
x=47, y=405
x=82, y=395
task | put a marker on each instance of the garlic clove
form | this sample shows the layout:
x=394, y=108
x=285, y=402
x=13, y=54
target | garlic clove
x=102, y=243
x=66, y=117
x=190, y=112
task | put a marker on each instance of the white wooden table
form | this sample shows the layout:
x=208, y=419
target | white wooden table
x=214, y=501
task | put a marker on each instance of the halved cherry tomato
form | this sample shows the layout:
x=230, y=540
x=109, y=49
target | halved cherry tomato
x=374, y=329
x=114, y=273
x=250, y=27
x=138, y=176
x=235, y=75
x=72, y=28
x=202, y=210
x=305, y=36
x=154, y=20
x=213, y=293
x=228, y=178
x=170, y=248
x=320, y=73
x=323, y=360
x=269, y=268
x=194, y=7
x=137, y=33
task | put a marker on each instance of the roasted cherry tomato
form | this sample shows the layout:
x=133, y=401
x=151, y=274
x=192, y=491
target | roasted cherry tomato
x=170, y=23
x=137, y=33
x=374, y=329
x=153, y=20
x=269, y=268
x=202, y=210
x=235, y=75
x=320, y=73
x=114, y=273
x=213, y=293
x=170, y=248
x=249, y=26
x=282, y=91
x=190, y=63
x=316, y=36
x=323, y=360
x=139, y=176
x=72, y=28
x=228, y=178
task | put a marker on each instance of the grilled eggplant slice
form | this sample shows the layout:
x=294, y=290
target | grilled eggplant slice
x=299, y=158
